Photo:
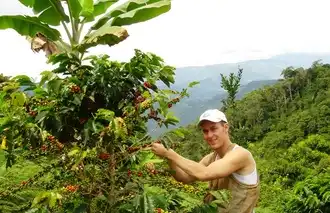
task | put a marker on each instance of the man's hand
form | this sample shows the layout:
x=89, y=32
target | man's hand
x=159, y=149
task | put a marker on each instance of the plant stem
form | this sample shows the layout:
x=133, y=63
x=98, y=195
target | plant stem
x=81, y=28
x=75, y=27
x=81, y=56
x=74, y=30
x=67, y=32
x=79, y=34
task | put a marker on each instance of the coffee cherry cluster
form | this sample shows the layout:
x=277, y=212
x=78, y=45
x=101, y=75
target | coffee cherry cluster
x=33, y=113
x=173, y=101
x=35, y=102
x=72, y=188
x=44, y=148
x=147, y=85
x=133, y=149
x=153, y=114
x=130, y=173
x=82, y=120
x=104, y=156
x=49, y=145
x=159, y=210
x=146, y=104
x=75, y=89
x=53, y=140
x=139, y=99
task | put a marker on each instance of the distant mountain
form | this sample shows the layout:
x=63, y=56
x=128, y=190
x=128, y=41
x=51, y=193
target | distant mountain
x=188, y=110
x=253, y=70
x=208, y=94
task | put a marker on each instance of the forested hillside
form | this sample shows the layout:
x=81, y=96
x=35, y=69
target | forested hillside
x=287, y=128
x=191, y=107
x=77, y=141
x=208, y=92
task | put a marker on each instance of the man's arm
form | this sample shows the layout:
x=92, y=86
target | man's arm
x=218, y=169
x=181, y=175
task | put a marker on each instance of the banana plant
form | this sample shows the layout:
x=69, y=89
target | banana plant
x=106, y=17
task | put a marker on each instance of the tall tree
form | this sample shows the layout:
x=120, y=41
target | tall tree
x=231, y=84
x=4, y=78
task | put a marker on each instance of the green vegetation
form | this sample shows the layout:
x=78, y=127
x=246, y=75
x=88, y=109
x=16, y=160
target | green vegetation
x=286, y=127
x=290, y=142
x=77, y=141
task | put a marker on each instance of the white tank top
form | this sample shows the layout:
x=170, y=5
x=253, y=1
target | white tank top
x=249, y=179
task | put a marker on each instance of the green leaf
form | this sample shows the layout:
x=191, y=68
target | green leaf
x=121, y=9
x=46, y=76
x=191, y=84
x=55, y=85
x=171, y=118
x=40, y=92
x=10, y=86
x=105, y=114
x=18, y=98
x=74, y=151
x=23, y=80
x=129, y=6
x=52, y=11
x=41, y=196
x=28, y=26
x=146, y=94
x=154, y=161
x=74, y=7
x=28, y=3
x=101, y=6
x=106, y=35
x=52, y=199
x=87, y=8
x=77, y=100
x=179, y=133
x=142, y=14
x=58, y=196
x=41, y=116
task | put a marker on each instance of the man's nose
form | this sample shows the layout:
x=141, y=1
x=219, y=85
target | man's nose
x=209, y=134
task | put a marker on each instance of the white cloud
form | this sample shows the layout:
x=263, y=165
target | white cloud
x=199, y=32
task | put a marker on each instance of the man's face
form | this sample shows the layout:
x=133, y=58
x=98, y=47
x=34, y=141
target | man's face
x=214, y=133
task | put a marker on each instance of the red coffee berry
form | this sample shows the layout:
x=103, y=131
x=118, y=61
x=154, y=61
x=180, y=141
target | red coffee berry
x=147, y=84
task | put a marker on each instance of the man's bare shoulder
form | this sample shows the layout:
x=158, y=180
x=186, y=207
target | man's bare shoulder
x=241, y=151
x=242, y=157
x=206, y=160
x=239, y=155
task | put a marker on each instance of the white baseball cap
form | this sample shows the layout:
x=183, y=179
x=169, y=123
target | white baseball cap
x=213, y=115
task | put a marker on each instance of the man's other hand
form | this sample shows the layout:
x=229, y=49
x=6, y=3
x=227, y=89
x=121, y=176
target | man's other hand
x=159, y=149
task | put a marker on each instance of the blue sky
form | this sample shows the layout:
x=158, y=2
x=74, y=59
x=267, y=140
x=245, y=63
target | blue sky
x=199, y=32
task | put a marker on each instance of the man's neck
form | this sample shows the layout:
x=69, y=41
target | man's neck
x=224, y=148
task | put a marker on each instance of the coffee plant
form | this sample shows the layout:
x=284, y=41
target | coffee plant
x=85, y=120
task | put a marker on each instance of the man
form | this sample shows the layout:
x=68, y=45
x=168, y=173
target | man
x=229, y=166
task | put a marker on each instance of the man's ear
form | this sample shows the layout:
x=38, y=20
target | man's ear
x=226, y=126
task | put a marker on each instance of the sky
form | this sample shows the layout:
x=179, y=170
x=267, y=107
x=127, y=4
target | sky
x=197, y=33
